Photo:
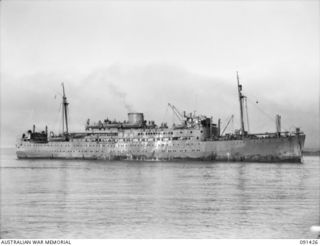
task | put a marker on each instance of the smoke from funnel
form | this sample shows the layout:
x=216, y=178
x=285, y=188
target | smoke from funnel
x=121, y=95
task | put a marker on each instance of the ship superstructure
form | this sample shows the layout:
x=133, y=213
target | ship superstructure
x=196, y=137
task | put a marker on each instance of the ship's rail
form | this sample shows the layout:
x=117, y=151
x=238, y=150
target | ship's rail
x=260, y=135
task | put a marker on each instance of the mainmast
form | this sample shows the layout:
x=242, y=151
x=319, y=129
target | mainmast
x=241, y=105
x=64, y=112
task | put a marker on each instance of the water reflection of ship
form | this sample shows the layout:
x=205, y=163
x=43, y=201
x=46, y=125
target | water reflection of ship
x=195, y=137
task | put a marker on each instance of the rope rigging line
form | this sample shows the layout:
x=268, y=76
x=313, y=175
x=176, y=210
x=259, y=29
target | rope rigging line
x=232, y=123
x=247, y=114
x=266, y=114
x=58, y=118
x=261, y=111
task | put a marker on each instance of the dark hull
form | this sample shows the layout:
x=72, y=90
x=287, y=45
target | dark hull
x=282, y=149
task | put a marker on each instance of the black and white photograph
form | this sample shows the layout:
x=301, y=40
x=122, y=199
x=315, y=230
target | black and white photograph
x=159, y=120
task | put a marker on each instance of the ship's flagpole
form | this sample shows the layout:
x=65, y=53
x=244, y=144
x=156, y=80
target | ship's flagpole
x=241, y=104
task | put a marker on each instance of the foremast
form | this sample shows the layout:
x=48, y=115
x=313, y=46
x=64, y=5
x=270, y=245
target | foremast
x=64, y=113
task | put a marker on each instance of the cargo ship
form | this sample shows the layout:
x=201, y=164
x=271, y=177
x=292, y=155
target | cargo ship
x=195, y=137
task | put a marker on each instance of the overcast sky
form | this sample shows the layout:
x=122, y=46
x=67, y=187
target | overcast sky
x=113, y=56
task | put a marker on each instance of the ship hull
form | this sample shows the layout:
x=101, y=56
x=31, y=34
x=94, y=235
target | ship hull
x=281, y=149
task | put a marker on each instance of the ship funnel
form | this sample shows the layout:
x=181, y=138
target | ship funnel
x=278, y=123
x=135, y=118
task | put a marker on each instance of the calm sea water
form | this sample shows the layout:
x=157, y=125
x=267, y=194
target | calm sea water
x=99, y=199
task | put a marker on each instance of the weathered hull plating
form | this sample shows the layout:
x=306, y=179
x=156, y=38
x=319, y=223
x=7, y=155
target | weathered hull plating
x=282, y=149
